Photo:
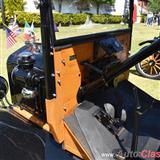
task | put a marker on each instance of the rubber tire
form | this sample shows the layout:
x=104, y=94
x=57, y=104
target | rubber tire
x=143, y=74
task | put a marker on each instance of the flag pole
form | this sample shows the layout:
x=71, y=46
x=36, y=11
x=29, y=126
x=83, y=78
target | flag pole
x=4, y=25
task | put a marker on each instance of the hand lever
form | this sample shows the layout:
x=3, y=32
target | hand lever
x=136, y=119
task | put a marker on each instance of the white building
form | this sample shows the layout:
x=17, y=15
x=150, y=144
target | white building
x=68, y=6
x=30, y=6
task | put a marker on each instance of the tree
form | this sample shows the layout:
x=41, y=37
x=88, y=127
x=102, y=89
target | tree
x=11, y=6
x=100, y=2
x=154, y=6
x=3, y=12
x=82, y=5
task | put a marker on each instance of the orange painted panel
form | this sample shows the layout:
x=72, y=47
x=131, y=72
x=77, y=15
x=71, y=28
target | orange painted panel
x=69, y=75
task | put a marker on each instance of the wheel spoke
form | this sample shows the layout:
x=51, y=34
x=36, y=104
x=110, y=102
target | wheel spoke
x=156, y=56
x=151, y=65
x=157, y=66
x=146, y=70
x=151, y=57
x=145, y=65
x=151, y=70
x=145, y=62
x=158, y=60
x=155, y=70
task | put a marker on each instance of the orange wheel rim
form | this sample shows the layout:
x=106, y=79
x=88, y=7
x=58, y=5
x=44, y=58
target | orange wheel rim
x=151, y=65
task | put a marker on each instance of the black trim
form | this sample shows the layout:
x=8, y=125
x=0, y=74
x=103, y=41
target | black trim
x=90, y=37
x=131, y=19
x=48, y=38
x=52, y=29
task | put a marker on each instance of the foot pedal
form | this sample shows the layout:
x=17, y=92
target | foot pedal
x=123, y=115
x=109, y=108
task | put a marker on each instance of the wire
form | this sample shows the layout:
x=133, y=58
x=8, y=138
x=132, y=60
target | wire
x=1, y=106
x=4, y=106
x=7, y=101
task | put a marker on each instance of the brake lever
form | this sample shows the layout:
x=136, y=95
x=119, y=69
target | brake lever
x=134, y=143
x=138, y=107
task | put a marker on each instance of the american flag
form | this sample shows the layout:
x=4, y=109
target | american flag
x=11, y=38
x=15, y=29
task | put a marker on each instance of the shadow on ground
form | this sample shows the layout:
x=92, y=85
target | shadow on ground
x=133, y=71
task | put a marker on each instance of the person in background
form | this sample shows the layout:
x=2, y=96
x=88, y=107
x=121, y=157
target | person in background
x=155, y=18
x=147, y=19
x=151, y=18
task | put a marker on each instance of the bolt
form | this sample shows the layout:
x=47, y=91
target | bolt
x=58, y=72
x=51, y=53
x=53, y=75
x=63, y=61
x=65, y=109
x=59, y=82
x=54, y=95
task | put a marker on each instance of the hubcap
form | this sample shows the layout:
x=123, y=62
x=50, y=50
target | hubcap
x=152, y=63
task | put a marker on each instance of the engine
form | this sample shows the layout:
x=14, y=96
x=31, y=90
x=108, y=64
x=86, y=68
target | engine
x=26, y=78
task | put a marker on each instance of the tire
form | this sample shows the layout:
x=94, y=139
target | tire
x=150, y=67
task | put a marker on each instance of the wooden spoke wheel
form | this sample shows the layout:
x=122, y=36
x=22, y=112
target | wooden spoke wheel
x=150, y=67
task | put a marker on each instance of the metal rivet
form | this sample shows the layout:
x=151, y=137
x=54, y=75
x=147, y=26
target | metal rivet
x=54, y=95
x=51, y=53
x=58, y=72
x=63, y=61
x=53, y=75
x=59, y=82
x=65, y=109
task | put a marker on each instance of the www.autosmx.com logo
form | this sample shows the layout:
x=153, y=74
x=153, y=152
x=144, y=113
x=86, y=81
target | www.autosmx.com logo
x=145, y=154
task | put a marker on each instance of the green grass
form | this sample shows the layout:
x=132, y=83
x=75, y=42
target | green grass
x=72, y=31
x=140, y=33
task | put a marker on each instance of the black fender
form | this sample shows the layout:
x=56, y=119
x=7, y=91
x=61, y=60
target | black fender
x=21, y=140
